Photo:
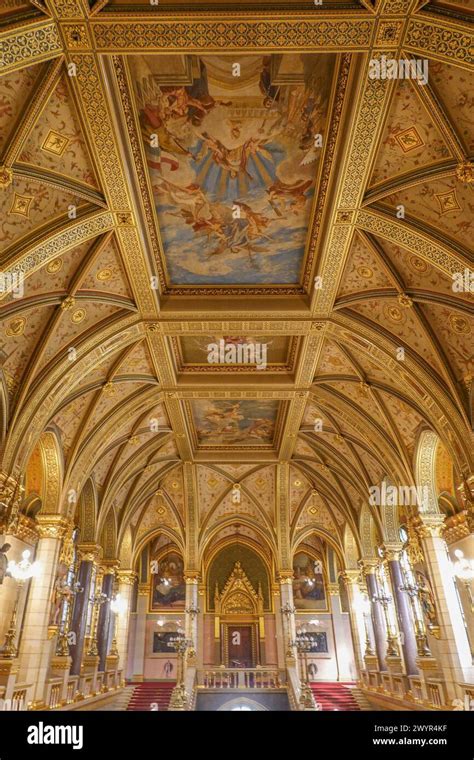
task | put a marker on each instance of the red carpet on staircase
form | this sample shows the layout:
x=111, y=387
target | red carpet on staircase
x=334, y=695
x=151, y=695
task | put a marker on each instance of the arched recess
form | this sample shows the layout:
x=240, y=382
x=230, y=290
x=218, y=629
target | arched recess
x=44, y=476
x=425, y=470
x=149, y=536
x=87, y=513
x=311, y=574
x=221, y=561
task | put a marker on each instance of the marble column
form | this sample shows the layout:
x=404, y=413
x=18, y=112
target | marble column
x=406, y=625
x=351, y=579
x=140, y=632
x=104, y=620
x=126, y=581
x=378, y=620
x=88, y=554
x=453, y=650
x=35, y=649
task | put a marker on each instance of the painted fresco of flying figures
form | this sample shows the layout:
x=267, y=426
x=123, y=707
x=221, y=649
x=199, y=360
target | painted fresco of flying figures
x=232, y=162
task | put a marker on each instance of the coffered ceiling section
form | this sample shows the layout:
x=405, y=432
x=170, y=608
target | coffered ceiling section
x=234, y=146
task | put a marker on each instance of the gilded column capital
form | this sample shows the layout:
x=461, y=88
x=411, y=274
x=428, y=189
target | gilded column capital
x=431, y=525
x=368, y=566
x=285, y=576
x=127, y=577
x=109, y=566
x=143, y=589
x=350, y=577
x=191, y=576
x=51, y=526
x=333, y=589
x=392, y=552
x=89, y=552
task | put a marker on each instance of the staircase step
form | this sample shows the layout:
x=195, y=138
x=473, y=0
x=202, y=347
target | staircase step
x=144, y=694
x=335, y=696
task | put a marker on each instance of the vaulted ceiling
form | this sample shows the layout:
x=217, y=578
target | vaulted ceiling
x=133, y=263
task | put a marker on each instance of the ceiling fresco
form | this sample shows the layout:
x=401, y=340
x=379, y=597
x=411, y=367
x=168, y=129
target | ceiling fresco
x=192, y=352
x=232, y=161
x=234, y=423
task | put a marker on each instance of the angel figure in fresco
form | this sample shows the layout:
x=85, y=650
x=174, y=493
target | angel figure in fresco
x=256, y=222
x=154, y=129
x=260, y=428
x=290, y=196
x=191, y=103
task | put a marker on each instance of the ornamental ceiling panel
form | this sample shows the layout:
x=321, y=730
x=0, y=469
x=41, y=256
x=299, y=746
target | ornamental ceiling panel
x=358, y=395
x=137, y=362
x=316, y=513
x=373, y=466
x=229, y=353
x=261, y=484
x=234, y=423
x=74, y=322
x=245, y=508
x=401, y=322
x=107, y=273
x=235, y=471
x=19, y=336
x=420, y=274
x=111, y=398
x=445, y=205
x=333, y=361
x=299, y=489
x=232, y=161
x=27, y=205
x=56, y=142
x=15, y=91
x=363, y=269
x=411, y=140
x=71, y=417
x=456, y=90
x=405, y=419
x=455, y=331
x=211, y=487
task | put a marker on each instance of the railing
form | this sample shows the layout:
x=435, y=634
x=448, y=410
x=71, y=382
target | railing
x=416, y=689
x=242, y=678
x=53, y=692
x=71, y=689
x=428, y=693
x=86, y=685
x=22, y=694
